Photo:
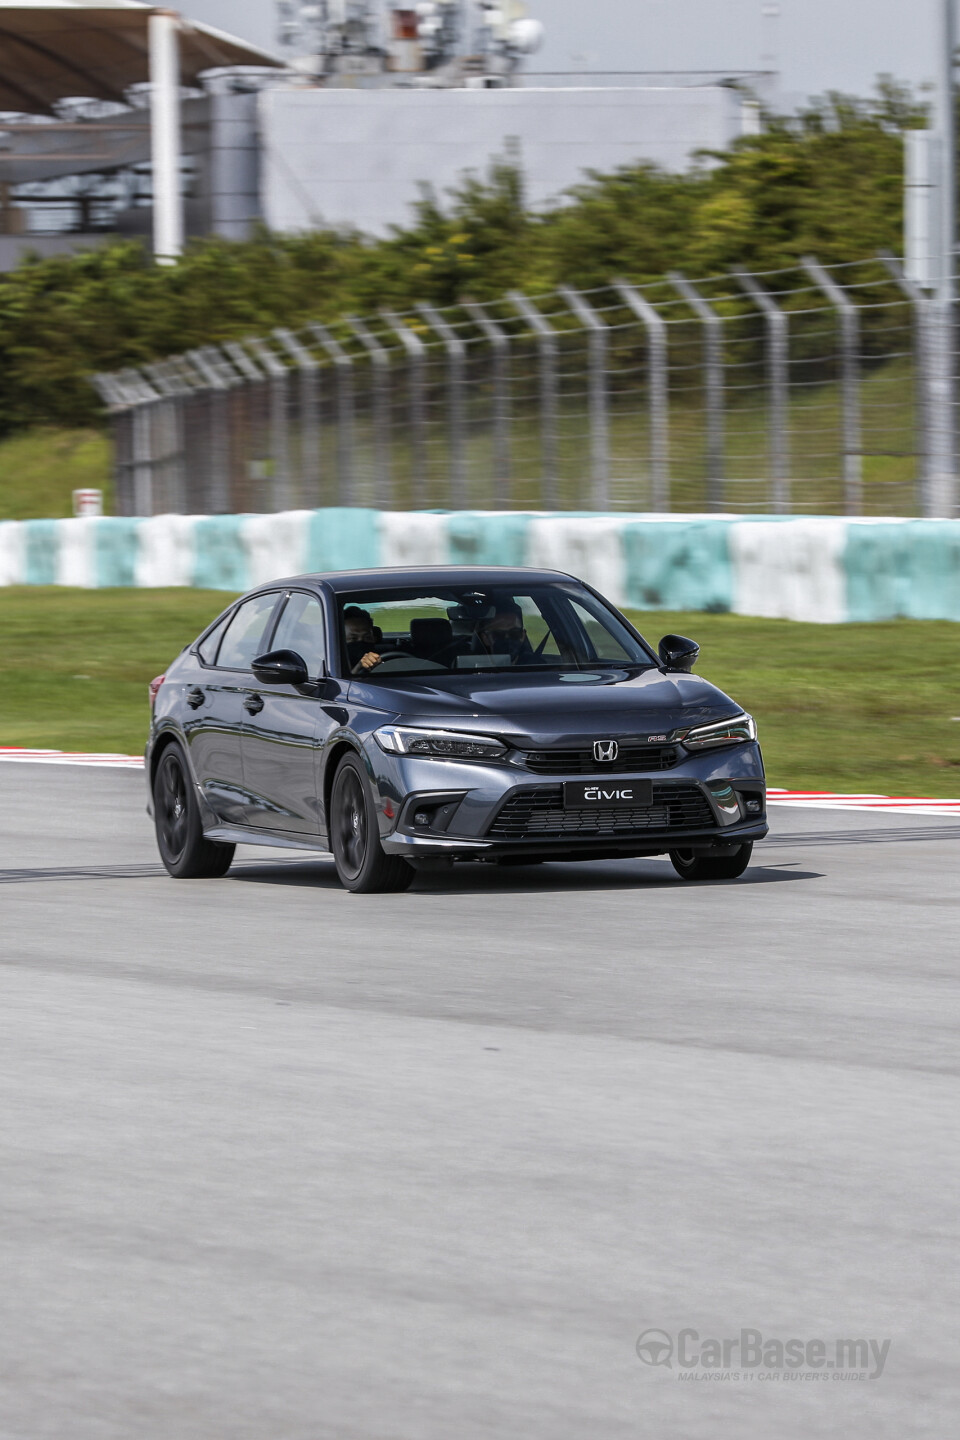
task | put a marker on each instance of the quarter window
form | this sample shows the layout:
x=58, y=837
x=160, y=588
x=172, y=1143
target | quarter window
x=246, y=632
x=207, y=649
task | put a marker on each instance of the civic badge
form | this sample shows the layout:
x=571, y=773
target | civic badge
x=605, y=750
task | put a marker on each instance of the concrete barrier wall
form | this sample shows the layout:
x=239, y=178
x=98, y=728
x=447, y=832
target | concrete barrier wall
x=825, y=570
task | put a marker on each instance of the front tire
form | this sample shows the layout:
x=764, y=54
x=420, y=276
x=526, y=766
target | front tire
x=184, y=851
x=362, y=866
x=692, y=866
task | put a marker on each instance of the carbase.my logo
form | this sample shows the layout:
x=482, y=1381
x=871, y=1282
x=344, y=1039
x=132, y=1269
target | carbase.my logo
x=751, y=1355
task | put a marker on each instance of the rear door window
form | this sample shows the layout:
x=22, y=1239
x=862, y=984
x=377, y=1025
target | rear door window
x=247, y=632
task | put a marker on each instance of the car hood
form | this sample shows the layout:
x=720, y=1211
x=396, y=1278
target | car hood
x=548, y=708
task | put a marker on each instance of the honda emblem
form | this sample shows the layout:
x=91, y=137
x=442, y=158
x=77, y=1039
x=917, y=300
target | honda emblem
x=605, y=750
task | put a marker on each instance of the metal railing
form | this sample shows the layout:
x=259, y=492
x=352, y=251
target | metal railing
x=806, y=391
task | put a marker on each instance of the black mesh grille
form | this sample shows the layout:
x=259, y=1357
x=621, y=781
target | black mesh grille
x=631, y=760
x=541, y=812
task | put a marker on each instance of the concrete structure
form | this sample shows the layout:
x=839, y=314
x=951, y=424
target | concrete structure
x=357, y=157
x=353, y=149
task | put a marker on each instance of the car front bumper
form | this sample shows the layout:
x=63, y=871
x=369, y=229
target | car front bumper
x=457, y=810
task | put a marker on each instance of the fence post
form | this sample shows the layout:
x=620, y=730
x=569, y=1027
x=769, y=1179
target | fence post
x=193, y=464
x=244, y=373
x=142, y=459
x=112, y=394
x=343, y=364
x=142, y=399
x=778, y=378
x=922, y=367
x=416, y=353
x=500, y=348
x=215, y=385
x=850, y=369
x=658, y=402
x=547, y=344
x=713, y=385
x=279, y=377
x=599, y=405
x=380, y=362
x=309, y=372
x=943, y=459
x=167, y=380
x=456, y=353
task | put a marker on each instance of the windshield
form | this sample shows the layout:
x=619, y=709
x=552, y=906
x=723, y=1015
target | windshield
x=545, y=627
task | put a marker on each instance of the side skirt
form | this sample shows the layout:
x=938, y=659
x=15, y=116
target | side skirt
x=278, y=839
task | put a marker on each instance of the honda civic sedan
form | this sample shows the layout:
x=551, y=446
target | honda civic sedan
x=408, y=719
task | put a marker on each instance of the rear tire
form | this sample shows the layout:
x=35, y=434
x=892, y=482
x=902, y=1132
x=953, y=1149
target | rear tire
x=184, y=851
x=691, y=866
x=362, y=866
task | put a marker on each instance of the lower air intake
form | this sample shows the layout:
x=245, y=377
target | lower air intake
x=541, y=812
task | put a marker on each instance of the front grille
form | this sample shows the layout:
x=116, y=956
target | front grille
x=633, y=759
x=535, y=812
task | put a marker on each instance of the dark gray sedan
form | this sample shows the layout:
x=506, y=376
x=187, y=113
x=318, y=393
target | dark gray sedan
x=408, y=719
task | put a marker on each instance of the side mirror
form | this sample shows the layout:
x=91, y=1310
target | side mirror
x=678, y=653
x=280, y=667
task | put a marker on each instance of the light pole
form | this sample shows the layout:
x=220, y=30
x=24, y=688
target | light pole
x=164, y=41
x=770, y=49
x=941, y=491
x=948, y=151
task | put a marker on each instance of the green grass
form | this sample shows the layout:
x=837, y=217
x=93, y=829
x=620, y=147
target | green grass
x=75, y=664
x=840, y=707
x=846, y=707
x=39, y=469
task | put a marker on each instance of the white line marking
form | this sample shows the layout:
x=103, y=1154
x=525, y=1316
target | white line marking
x=17, y=756
x=811, y=799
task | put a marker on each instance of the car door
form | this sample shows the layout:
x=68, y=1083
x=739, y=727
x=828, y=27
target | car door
x=286, y=727
x=215, y=703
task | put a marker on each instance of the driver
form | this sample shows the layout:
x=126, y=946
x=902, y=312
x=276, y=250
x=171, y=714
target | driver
x=503, y=634
x=362, y=638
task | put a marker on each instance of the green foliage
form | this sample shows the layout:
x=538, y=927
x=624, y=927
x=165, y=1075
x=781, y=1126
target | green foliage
x=828, y=182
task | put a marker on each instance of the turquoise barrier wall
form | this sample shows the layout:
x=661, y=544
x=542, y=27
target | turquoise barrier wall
x=823, y=569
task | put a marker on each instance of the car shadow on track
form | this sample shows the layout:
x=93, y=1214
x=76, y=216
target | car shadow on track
x=518, y=879
x=320, y=875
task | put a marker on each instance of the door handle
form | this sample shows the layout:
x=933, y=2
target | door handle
x=195, y=698
x=253, y=704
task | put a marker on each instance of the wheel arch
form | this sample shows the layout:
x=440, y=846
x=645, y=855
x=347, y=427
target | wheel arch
x=335, y=754
x=161, y=745
x=168, y=736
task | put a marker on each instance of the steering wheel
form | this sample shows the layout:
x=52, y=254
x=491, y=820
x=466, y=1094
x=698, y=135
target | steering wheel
x=391, y=655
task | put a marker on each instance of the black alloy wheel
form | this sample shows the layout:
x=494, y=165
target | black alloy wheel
x=362, y=866
x=691, y=865
x=184, y=851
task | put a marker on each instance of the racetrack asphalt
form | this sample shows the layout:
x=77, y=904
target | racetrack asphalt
x=283, y=1163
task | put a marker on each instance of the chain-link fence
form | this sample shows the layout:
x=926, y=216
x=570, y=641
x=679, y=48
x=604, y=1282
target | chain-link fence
x=813, y=390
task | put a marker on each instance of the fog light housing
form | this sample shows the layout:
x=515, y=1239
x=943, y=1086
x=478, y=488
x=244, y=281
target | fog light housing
x=430, y=814
x=727, y=801
x=753, y=807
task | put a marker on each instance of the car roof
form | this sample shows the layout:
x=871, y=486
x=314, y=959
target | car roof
x=407, y=576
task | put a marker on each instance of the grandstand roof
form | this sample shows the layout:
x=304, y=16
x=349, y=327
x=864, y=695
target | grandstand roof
x=54, y=49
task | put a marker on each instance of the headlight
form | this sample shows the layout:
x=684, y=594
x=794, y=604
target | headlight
x=724, y=732
x=438, y=744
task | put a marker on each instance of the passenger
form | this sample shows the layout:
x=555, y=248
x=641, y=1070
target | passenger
x=503, y=633
x=362, y=638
